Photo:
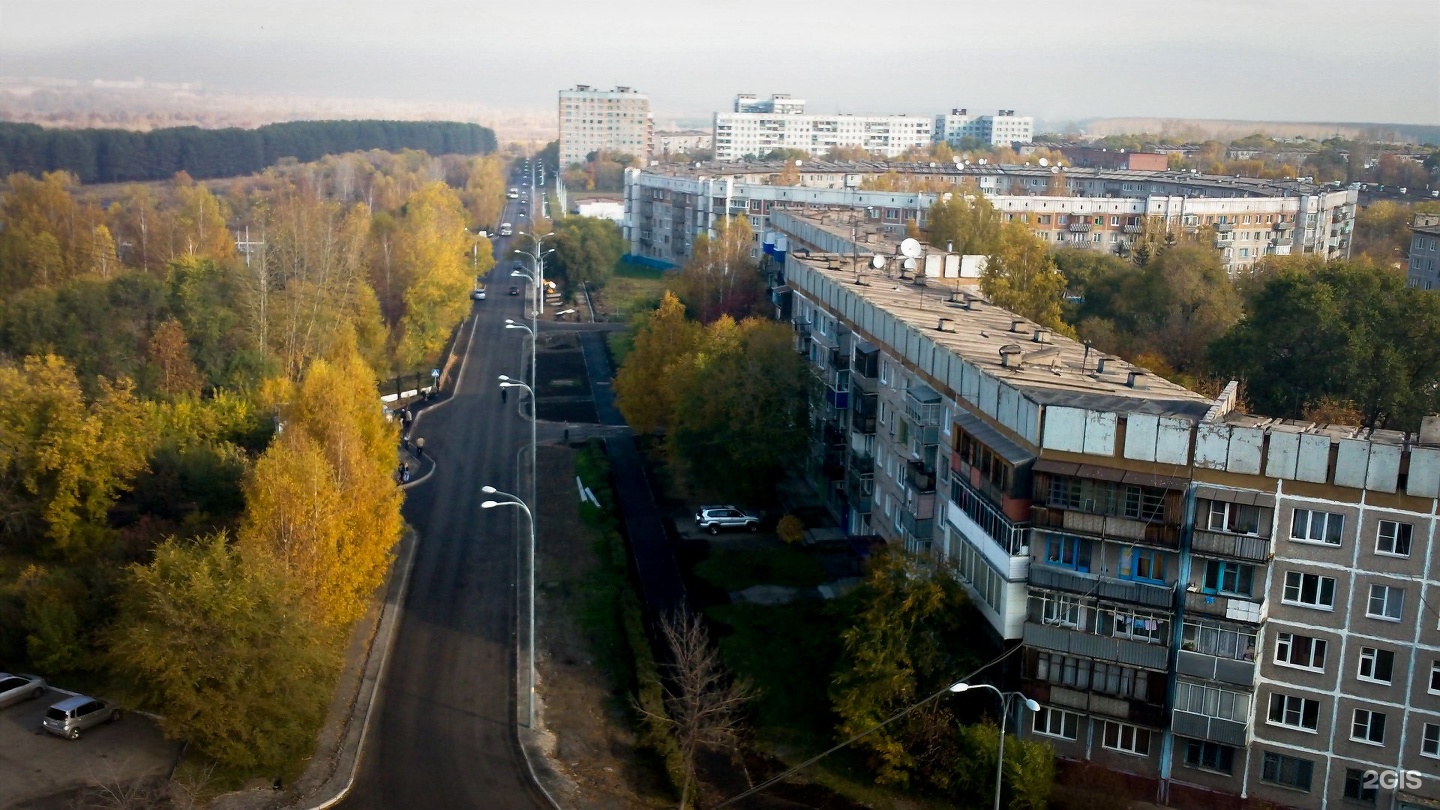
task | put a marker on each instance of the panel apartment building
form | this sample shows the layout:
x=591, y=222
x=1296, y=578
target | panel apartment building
x=1424, y=263
x=753, y=128
x=613, y=120
x=1220, y=604
x=1097, y=209
x=1002, y=129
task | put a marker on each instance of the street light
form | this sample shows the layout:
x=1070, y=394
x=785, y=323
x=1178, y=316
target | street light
x=537, y=261
x=506, y=382
x=488, y=490
x=1005, y=698
x=511, y=324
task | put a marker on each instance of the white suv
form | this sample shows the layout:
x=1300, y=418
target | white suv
x=715, y=518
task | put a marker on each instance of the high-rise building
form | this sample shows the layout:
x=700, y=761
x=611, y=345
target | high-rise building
x=1424, y=263
x=1001, y=129
x=610, y=120
x=755, y=128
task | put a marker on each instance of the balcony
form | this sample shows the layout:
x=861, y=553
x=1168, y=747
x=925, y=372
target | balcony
x=1050, y=576
x=1135, y=711
x=1080, y=227
x=1013, y=539
x=1235, y=608
x=864, y=425
x=1215, y=668
x=920, y=476
x=1134, y=229
x=862, y=463
x=860, y=492
x=1283, y=226
x=921, y=528
x=1224, y=227
x=1239, y=546
x=1105, y=526
x=1202, y=727
x=837, y=398
x=839, y=360
x=1102, y=648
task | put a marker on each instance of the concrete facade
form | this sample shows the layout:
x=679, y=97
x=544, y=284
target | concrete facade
x=1106, y=210
x=1002, y=129
x=1423, y=268
x=754, y=128
x=611, y=120
x=1205, y=599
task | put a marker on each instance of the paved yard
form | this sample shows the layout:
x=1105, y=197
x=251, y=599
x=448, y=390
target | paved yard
x=39, y=771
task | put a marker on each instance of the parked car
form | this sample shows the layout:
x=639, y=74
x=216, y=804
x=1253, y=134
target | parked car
x=15, y=688
x=478, y=295
x=514, y=290
x=73, y=715
x=715, y=518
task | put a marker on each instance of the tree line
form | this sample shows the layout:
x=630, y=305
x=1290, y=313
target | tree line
x=197, y=492
x=117, y=155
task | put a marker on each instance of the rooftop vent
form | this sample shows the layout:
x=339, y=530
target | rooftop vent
x=1010, y=356
x=1015, y=324
x=1040, y=335
x=943, y=324
x=1134, y=378
x=1100, y=364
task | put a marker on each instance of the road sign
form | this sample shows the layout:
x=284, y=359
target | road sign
x=435, y=372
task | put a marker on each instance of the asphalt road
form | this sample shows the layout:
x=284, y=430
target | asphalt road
x=443, y=734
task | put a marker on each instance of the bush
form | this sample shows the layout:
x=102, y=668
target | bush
x=791, y=529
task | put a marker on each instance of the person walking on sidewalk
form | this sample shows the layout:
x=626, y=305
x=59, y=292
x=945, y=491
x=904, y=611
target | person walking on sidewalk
x=420, y=447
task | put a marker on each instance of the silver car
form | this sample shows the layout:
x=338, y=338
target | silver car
x=15, y=688
x=73, y=715
x=714, y=518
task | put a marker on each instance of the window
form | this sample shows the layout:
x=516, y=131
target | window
x=1127, y=739
x=1300, y=651
x=1435, y=677
x=1147, y=565
x=1057, y=723
x=1237, y=518
x=1368, y=727
x=1068, y=552
x=1311, y=590
x=1295, y=712
x=1218, y=640
x=1355, y=789
x=1394, y=538
x=1291, y=772
x=1317, y=527
x=1145, y=503
x=1376, y=665
x=1387, y=602
x=1228, y=577
x=1212, y=701
x=1062, y=609
x=1211, y=756
x=1150, y=628
x=1430, y=740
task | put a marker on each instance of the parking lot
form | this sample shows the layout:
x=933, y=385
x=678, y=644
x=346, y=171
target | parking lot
x=41, y=771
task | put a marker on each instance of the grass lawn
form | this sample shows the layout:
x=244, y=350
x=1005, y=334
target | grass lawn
x=738, y=570
x=631, y=289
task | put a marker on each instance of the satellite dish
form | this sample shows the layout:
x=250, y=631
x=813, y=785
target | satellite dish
x=910, y=264
x=910, y=248
x=1044, y=162
x=1054, y=169
x=877, y=262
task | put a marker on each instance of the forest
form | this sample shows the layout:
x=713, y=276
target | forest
x=118, y=156
x=197, y=491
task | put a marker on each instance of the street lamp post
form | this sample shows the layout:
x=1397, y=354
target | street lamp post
x=537, y=263
x=1005, y=698
x=488, y=490
x=511, y=324
x=506, y=382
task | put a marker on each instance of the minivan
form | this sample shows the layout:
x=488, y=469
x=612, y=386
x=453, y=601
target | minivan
x=73, y=715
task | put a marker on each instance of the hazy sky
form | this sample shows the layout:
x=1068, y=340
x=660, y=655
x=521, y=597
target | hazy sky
x=1361, y=60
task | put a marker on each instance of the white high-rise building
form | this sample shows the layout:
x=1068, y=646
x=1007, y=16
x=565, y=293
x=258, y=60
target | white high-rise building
x=611, y=120
x=757, y=127
x=1001, y=129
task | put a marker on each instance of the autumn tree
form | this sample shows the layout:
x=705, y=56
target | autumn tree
x=720, y=278
x=1021, y=277
x=63, y=460
x=663, y=341
x=484, y=193
x=216, y=638
x=170, y=357
x=586, y=250
x=966, y=224
x=430, y=251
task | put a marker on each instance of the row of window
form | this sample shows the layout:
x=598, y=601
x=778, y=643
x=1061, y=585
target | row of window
x=1392, y=537
x=1302, y=589
x=1137, y=563
x=1107, y=498
x=1073, y=611
x=1122, y=737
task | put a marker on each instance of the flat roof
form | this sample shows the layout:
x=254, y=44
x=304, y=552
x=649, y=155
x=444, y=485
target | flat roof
x=1056, y=370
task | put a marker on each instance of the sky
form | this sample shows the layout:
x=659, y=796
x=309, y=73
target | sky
x=1277, y=60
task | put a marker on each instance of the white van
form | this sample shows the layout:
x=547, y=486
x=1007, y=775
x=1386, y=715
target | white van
x=505, y=229
x=513, y=194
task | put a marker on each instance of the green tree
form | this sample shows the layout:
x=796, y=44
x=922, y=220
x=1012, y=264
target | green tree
x=586, y=250
x=1029, y=767
x=741, y=407
x=911, y=637
x=1339, y=333
x=967, y=224
x=219, y=641
x=663, y=341
x=1021, y=277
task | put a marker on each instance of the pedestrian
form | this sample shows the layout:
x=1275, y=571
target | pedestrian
x=420, y=447
x=405, y=443
x=405, y=474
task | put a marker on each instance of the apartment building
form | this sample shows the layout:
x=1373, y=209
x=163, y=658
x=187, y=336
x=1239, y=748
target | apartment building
x=755, y=128
x=1424, y=264
x=1002, y=129
x=1097, y=209
x=1221, y=604
x=677, y=142
x=611, y=120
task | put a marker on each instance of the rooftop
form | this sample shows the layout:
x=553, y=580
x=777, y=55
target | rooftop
x=1049, y=369
x=1252, y=186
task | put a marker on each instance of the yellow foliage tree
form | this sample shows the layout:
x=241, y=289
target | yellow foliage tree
x=430, y=251
x=1021, y=276
x=643, y=389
